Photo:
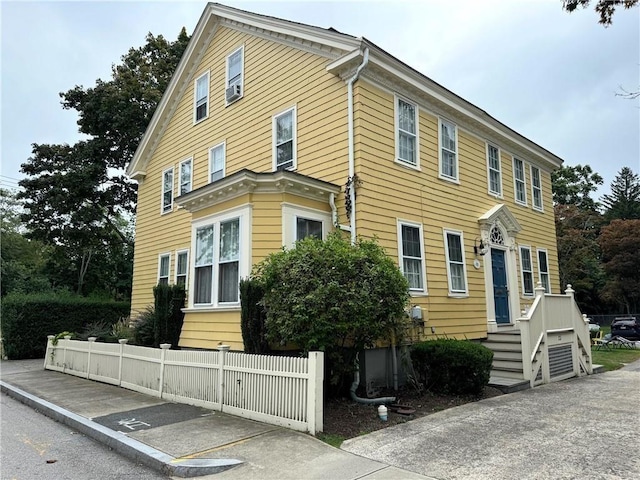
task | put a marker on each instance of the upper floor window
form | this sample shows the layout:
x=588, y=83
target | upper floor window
x=201, y=98
x=495, y=172
x=536, y=188
x=406, y=132
x=164, y=261
x=448, y=151
x=284, y=140
x=519, y=181
x=543, y=270
x=526, y=269
x=216, y=162
x=221, y=258
x=411, y=253
x=234, y=86
x=182, y=267
x=167, y=190
x=456, y=270
x=185, y=176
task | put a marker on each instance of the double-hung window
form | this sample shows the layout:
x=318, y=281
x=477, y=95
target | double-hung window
x=519, y=181
x=495, y=172
x=235, y=74
x=201, y=98
x=185, y=176
x=167, y=190
x=221, y=258
x=308, y=227
x=526, y=268
x=406, y=133
x=456, y=268
x=536, y=188
x=217, y=162
x=543, y=270
x=448, y=151
x=182, y=267
x=411, y=253
x=164, y=262
x=284, y=140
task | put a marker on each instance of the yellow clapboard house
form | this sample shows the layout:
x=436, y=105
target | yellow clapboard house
x=272, y=130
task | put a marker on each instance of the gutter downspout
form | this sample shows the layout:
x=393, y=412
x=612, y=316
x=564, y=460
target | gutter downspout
x=352, y=168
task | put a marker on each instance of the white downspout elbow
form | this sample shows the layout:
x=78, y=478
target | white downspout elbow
x=352, y=167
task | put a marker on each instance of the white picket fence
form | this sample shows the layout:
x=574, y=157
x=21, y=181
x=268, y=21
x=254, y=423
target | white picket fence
x=284, y=391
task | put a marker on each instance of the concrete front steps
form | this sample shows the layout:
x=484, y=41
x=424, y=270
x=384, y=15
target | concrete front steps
x=507, y=372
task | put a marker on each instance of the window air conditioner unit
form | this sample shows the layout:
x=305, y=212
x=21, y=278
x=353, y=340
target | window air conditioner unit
x=233, y=93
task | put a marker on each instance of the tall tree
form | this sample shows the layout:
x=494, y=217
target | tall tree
x=624, y=201
x=77, y=197
x=574, y=186
x=620, y=244
x=604, y=8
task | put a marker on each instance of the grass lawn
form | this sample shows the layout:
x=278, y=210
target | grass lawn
x=614, y=358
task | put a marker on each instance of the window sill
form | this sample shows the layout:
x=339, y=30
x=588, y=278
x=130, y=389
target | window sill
x=210, y=309
x=495, y=195
x=520, y=204
x=196, y=122
x=537, y=209
x=458, y=295
x=227, y=103
x=449, y=179
x=402, y=163
x=415, y=293
x=166, y=212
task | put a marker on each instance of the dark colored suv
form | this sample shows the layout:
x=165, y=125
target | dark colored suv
x=627, y=327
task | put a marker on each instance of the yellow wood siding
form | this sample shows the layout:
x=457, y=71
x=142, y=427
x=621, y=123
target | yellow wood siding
x=276, y=77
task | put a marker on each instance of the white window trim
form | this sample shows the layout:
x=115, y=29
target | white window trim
x=162, y=192
x=222, y=144
x=290, y=213
x=540, y=272
x=226, y=75
x=515, y=181
x=195, y=94
x=447, y=178
x=399, y=224
x=540, y=207
x=455, y=293
x=295, y=137
x=522, y=271
x=186, y=160
x=160, y=256
x=244, y=262
x=186, y=274
x=398, y=160
x=499, y=170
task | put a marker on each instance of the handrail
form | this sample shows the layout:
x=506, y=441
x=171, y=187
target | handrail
x=535, y=349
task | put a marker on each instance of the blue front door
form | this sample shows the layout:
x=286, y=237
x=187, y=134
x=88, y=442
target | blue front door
x=500, y=290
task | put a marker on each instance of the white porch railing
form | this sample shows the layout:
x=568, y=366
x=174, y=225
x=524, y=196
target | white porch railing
x=555, y=338
x=284, y=391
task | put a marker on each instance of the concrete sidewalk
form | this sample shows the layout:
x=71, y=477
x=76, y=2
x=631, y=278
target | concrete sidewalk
x=183, y=440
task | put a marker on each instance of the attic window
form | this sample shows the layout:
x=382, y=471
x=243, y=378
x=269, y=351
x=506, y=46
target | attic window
x=201, y=98
x=235, y=75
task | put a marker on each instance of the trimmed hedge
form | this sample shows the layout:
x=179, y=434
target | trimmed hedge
x=28, y=319
x=452, y=366
x=253, y=317
x=168, y=318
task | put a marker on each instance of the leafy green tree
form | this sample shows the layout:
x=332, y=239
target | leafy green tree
x=332, y=296
x=574, y=186
x=624, y=201
x=604, y=8
x=77, y=197
x=620, y=244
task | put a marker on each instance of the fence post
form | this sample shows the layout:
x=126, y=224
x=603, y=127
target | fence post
x=163, y=355
x=546, y=372
x=223, y=349
x=49, y=349
x=122, y=342
x=315, y=392
x=64, y=352
x=91, y=342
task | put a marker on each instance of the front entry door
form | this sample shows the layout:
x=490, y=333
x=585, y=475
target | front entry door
x=500, y=290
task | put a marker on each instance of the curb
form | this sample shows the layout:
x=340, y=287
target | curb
x=129, y=447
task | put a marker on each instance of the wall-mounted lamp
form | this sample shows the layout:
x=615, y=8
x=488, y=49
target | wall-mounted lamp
x=480, y=249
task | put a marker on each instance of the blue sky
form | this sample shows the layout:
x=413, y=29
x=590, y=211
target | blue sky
x=549, y=75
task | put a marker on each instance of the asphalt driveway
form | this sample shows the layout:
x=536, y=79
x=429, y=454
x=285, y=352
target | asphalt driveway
x=586, y=428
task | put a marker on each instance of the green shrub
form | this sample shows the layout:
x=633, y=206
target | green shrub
x=253, y=317
x=168, y=305
x=143, y=330
x=100, y=330
x=452, y=366
x=28, y=319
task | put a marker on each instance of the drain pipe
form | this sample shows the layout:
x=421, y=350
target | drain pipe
x=334, y=210
x=366, y=401
x=352, y=167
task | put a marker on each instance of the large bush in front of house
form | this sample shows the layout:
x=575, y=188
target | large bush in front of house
x=168, y=317
x=28, y=319
x=333, y=296
x=452, y=366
